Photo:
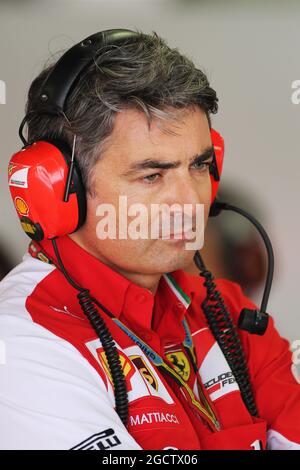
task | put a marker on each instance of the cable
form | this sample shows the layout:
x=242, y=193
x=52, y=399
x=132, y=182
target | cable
x=225, y=333
x=108, y=344
x=219, y=319
x=216, y=208
x=21, y=128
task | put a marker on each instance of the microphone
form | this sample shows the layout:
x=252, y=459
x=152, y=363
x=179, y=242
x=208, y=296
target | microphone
x=252, y=320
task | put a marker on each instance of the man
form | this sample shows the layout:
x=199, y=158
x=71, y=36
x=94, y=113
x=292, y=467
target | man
x=139, y=123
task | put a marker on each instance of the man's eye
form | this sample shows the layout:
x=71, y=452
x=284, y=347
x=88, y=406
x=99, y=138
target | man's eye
x=202, y=165
x=151, y=178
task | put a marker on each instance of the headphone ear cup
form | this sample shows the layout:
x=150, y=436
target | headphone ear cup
x=218, y=143
x=37, y=178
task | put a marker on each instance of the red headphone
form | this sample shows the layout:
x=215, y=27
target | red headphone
x=44, y=181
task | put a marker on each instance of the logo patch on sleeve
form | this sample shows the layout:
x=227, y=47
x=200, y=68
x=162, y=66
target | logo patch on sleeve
x=104, y=440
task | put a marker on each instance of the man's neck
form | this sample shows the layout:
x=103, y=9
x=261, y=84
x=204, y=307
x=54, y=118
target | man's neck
x=147, y=281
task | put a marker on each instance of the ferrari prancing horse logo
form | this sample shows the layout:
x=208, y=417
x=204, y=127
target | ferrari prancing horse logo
x=180, y=363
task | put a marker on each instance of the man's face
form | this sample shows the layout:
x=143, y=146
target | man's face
x=122, y=171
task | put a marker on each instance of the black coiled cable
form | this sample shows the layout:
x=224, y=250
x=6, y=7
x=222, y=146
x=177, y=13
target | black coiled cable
x=111, y=352
x=108, y=344
x=225, y=332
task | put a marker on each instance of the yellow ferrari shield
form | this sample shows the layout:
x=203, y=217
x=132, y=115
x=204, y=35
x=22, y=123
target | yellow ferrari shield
x=180, y=363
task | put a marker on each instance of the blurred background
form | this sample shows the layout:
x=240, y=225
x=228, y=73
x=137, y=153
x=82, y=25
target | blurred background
x=249, y=50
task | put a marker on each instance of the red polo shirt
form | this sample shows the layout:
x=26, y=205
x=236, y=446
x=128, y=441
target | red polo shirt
x=66, y=389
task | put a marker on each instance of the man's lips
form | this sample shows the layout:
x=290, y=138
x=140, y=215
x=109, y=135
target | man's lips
x=186, y=235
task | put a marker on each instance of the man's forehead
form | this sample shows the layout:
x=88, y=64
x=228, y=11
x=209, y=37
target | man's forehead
x=132, y=139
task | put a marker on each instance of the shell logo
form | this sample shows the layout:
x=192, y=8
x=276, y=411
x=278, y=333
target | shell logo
x=21, y=206
x=11, y=166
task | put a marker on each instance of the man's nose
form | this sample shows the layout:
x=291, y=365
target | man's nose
x=185, y=190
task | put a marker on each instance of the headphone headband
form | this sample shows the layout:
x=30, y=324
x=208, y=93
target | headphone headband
x=55, y=89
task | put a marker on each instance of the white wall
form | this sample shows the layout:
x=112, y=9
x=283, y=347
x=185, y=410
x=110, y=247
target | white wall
x=250, y=52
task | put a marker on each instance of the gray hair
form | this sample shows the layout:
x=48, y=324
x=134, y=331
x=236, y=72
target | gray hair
x=144, y=73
